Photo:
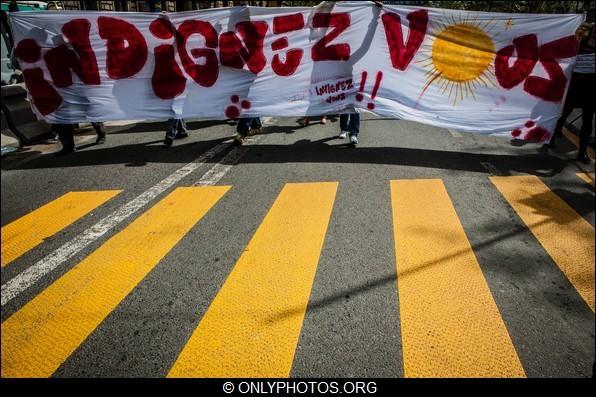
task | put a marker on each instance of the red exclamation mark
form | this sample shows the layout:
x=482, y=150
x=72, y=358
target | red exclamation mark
x=359, y=96
x=371, y=105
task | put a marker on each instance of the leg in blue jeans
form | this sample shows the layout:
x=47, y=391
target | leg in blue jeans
x=354, y=125
x=343, y=122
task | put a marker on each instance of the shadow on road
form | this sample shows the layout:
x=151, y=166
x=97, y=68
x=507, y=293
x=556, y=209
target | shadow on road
x=326, y=150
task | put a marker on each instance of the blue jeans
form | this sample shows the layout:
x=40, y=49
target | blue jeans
x=175, y=126
x=350, y=122
x=245, y=123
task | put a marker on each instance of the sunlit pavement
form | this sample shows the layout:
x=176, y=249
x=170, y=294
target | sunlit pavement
x=421, y=252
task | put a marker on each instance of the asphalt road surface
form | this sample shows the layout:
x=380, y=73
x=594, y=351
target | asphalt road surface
x=422, y=252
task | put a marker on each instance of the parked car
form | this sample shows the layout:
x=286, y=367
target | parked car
x=27, y=5
x=10, y=74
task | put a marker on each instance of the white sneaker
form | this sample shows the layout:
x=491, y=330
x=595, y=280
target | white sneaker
x=353, y=140
x=343, y=134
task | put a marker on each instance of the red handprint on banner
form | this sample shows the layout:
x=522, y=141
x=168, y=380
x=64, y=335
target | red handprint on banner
x=233, y=111
x=531, y=132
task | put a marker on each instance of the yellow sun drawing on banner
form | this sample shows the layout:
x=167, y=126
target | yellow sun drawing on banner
x=461, y=59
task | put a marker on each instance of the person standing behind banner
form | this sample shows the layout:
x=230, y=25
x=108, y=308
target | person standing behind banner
x=304, y=121
x=245, y=126
x=349, y=125
x=350, y=121
x=581, y=91
x=66, y=136
x=175, y=129
x=101, y=133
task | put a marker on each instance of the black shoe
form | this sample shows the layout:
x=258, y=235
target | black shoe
x=583, y=158
x=100, y=139
x=168, y=141
x=181, y=135
x=64, y=151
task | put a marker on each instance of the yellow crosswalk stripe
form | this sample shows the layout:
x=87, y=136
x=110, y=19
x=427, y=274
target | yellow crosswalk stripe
x=27, y=232
x=252, y=327
x=564, y=234
x=450, y=324
x=588, y=177
x=40, y=336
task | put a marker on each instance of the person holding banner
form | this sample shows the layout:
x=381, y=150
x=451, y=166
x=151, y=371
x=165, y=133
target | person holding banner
x=304, y=121
x=246, y=126
x=350, y=121
x=581, y=94
x=62, y=55
x=101, y=133
x=66, y=136
x=349, y=125
x=175, y=129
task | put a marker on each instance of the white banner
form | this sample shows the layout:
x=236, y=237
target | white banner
x=490, y=73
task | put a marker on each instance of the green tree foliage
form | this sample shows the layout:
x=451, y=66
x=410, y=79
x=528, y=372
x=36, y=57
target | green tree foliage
x=529, y=6
x=533, y=6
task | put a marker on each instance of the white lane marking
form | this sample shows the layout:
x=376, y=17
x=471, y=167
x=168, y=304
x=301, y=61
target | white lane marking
x=454, y=133
x=218, y=171
x=31, y=275
x=490, y=168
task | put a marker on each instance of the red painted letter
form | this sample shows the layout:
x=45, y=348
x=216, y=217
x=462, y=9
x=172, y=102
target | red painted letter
x=402, y=54
x=206, y=74
x=61, y=60
x=167, y=81
x=127, y=48
x=337, y=52
x=527, y=55
x=284, y=24
x=233, y=54
x=552, y=89
x=45, y=97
